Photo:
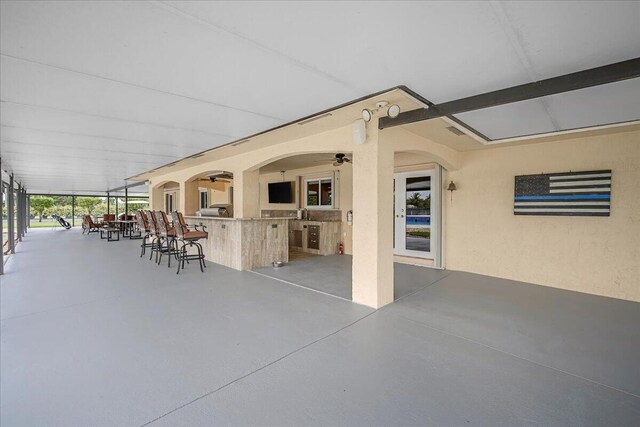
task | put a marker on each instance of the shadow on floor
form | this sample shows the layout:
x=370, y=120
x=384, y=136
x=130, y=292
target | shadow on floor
x=332, y=275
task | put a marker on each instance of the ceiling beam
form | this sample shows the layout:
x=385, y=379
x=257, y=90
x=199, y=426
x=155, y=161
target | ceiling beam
x=580, y=80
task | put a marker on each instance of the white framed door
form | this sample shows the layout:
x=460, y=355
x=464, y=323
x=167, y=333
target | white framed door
x=170, y=201
x=415, y=214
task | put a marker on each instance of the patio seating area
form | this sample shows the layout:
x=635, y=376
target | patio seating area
x=172, y=238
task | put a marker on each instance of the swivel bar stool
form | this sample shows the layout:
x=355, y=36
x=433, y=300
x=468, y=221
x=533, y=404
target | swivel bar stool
x=145, y=231
x=188, y=236
x=168, y=244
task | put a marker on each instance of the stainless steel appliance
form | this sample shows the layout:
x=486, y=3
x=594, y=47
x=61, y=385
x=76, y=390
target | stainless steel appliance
x=218, y=210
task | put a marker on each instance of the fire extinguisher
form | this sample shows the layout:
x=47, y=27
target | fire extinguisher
x=341, y=249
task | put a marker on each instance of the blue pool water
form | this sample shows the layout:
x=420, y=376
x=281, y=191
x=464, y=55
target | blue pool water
x=418, y=220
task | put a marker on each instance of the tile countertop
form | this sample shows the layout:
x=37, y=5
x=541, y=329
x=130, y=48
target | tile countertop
x=219, y=218
x=315, y=221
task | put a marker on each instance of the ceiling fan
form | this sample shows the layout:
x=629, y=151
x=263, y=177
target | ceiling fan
x=221, y=177
x=341, y=159
x=338, y=159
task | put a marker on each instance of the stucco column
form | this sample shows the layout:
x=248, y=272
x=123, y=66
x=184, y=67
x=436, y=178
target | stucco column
x=372, y=282
x=156, y=198
x=246, y=194
x=189, y=197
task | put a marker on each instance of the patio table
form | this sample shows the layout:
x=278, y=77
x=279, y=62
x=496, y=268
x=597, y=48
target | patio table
x=129, y=229
x=111, y=231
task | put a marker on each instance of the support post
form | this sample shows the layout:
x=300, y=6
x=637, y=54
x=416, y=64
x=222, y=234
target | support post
x=24, y=211
x=372, y=269
x=73, y=211
x=126, y=203
x=19, y=213
x=108, y=204
x=1, y=221
x=189, y=197
x=10, y=217
x=27, y=199
x=246, y=192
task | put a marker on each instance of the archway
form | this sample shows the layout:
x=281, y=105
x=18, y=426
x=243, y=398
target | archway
x=165, y=195
x=208, y=192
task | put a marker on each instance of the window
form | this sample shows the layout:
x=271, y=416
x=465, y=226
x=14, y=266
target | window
x=319, y=193
x=204, y=199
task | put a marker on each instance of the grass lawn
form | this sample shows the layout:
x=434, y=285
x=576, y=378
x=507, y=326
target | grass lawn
x=47, y=222
x=44, y=224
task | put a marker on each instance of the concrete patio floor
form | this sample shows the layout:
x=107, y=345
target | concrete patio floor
x=332, y=275
x=91, y=334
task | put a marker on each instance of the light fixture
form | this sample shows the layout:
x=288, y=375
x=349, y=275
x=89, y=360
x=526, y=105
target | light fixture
x=452, y=187
x=393, y=111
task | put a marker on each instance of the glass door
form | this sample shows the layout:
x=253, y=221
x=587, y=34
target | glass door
x=413, y=214
x=170, y=202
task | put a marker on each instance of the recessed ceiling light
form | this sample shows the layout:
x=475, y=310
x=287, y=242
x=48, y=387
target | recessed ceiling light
x=367, y=115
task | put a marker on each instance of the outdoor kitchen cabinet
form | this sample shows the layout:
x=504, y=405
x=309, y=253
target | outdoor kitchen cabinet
x=317, y=237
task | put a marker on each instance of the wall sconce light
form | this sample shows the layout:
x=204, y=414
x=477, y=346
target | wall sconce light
x=452, y=187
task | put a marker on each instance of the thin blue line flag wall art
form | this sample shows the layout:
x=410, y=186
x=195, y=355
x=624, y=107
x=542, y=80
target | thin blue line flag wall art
x=568, y=194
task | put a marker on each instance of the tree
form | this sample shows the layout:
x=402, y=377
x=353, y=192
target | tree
x=417, y=201
x=39, y=204
x=88, y=203
x=63, y=211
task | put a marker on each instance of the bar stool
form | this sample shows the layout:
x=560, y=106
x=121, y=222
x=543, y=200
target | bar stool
x=168, y=243
x=143, y=224
x=154, y=232
x=188, y=236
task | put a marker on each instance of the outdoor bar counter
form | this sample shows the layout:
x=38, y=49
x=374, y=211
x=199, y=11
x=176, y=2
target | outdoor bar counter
x=244, y=243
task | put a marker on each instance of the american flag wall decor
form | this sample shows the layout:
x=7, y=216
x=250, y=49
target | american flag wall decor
x=569, y=194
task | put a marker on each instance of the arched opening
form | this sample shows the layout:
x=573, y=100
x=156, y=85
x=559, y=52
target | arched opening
x=210, y=193
x=319, y=184
x=420, y=169
x=165, y=196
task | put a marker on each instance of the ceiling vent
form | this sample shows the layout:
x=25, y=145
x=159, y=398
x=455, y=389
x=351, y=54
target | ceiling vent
x=455, y=131
x=235, y=144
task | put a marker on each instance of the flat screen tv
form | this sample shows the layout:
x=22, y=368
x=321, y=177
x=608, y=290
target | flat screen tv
x=281, y=192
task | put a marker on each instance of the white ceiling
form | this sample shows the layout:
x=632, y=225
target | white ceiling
x=93, y=92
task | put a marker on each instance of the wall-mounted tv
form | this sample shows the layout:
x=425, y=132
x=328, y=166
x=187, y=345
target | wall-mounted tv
x=281, y=192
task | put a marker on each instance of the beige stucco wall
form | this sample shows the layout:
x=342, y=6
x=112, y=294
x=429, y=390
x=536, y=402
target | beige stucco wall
x=588, y=254
x=597, y=255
